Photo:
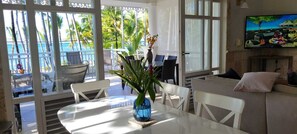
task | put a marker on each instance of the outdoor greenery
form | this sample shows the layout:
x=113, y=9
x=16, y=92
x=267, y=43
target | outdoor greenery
x=260, y=19
x=121, y=29
x=140, y=78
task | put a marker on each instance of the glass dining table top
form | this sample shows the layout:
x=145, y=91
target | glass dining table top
x=111, y=115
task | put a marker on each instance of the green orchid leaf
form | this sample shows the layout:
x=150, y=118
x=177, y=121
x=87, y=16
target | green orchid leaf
x=140, y=99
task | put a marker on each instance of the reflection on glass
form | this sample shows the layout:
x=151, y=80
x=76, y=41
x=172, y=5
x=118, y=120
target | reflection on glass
x=215, y=43
x=18, y=52
x=206, y=43
x=206, y=7
x=17, y=2
x=194, y=44
x=201, y=7
x=191, y=7
x=25, y=117
x=42, y=2
x=216, y=7
x=81, y=4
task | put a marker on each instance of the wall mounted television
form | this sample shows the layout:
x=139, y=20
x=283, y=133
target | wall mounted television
x=271, y=31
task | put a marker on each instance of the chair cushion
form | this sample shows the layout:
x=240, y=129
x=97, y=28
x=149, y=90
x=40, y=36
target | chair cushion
x=256, y=82
x=230, y=74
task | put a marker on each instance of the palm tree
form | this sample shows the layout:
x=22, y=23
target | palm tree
x=260, y=19
x=76, y=25
x=134, y=31
x=25, y=31
x=70, y=32
x=13, y=32
x=59, y=24
x=111, y=27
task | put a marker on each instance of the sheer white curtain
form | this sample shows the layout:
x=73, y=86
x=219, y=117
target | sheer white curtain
x=167, y=26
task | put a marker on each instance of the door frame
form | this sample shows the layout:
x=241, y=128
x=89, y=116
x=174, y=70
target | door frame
x=223, y=39
x=38, y=98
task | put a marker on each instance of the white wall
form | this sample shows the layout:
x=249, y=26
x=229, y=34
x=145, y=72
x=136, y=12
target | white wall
x=236, y=16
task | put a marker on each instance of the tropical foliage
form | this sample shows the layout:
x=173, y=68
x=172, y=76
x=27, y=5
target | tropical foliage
x=121, y=29
x=260, y=19
x=138, y=77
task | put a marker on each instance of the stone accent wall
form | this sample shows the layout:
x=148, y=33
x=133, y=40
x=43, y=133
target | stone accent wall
x=239, y=60
x=2, y=97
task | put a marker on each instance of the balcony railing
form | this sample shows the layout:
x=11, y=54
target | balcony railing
x=46, y=61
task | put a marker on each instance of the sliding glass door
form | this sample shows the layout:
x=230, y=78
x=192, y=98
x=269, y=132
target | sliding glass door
x=201, y=38
x=39, y=40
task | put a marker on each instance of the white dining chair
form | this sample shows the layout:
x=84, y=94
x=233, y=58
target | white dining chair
x=78, y=89
x=235, y=105
x=170, y=90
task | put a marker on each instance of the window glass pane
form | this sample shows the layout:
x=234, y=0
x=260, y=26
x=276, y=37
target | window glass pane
x=206, y=7
x=206, y=44
x=215, y=43
x=48, y=2
x=59, y=3
x=216, y=7
x=194, y=45
x=200, y=7
x=45, y=50
x=76, y=43
x=42, y=2
x=20, y=2
x=81, y=4
x=16, y=28
x=191, y=7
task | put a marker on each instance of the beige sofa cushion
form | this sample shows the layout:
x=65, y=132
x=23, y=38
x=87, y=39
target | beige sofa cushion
x=254, y=114
x=256, y=82
x=281, y=109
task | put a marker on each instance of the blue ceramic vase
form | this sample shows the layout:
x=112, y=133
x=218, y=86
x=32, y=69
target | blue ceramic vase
x=142, y=112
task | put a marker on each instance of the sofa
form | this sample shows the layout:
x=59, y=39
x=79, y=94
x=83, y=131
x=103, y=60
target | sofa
x=264, y=113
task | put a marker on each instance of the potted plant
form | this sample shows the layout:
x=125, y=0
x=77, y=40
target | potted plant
x=141, y=79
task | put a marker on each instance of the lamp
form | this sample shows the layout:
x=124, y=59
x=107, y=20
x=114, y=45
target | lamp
x=242, y=3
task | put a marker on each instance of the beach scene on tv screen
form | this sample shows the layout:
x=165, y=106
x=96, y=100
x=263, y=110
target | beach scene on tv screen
x=273, y=31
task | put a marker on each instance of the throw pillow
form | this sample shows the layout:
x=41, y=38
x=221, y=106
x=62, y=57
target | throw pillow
x=232, y=74
x=256, y=82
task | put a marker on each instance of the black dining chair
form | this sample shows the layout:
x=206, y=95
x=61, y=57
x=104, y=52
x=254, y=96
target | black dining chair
x=130, y=57
x=167, y=71
x=159, y=57
x=171, y=57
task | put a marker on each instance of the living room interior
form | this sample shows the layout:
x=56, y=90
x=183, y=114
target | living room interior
x=232, y=55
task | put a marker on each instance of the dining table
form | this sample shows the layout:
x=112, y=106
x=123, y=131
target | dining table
x=111, y=115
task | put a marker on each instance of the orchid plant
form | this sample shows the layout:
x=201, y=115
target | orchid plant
x=151, y=39
x=140, y=78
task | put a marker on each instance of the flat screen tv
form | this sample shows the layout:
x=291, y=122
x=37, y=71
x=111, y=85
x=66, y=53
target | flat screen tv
x=271, y=31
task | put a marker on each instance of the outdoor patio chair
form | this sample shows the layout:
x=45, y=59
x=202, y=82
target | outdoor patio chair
x=73, y=58
x=107, y=60
x=72, y=74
